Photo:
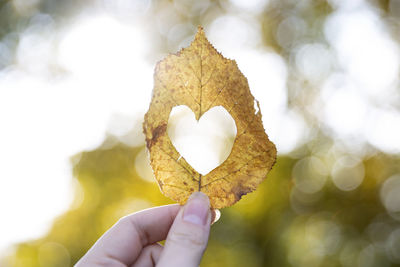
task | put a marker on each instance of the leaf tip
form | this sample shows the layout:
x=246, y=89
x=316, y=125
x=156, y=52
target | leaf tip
x=200, y=33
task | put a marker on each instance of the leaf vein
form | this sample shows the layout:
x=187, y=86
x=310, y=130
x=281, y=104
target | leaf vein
x=188, y=171
x=188, y=91
x=233, y=172
x=175, y=186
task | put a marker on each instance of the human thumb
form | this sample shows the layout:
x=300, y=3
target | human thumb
x=187, y=239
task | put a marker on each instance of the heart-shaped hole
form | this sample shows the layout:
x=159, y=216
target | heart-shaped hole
x=204, y=144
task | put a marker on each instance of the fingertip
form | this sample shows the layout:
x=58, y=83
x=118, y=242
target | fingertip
x=197, y=209
x=199, y=195
x=214, y=213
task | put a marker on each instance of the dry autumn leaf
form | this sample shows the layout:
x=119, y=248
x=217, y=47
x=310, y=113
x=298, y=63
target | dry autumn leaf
x=201, y=78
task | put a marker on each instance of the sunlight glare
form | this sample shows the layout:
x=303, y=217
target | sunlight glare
x=45, y=121
x=364, y=48
x=204, y=144
x=345, y=110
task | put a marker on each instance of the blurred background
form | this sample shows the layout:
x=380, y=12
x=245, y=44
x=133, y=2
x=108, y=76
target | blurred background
x=76, y=80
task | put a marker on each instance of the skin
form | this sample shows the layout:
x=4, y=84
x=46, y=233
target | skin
x=132, y=241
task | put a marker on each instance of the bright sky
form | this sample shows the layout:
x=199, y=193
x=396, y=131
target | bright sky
x=45, y=120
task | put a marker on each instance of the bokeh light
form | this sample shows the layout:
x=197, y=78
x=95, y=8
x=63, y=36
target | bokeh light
x=390, y=195
x=310, y=175
x=348, y=173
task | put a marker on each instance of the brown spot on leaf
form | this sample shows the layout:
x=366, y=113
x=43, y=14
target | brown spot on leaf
x=239, y=191
x=157, y=132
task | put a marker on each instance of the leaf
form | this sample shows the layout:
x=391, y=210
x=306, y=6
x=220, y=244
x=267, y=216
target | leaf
x=201, y=78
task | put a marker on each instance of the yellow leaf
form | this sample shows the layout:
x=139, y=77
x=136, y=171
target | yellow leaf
x=201, y=78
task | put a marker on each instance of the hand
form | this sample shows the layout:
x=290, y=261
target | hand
x=132, y=241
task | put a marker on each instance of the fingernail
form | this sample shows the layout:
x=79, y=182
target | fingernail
x=215, y=215
x=197, y=209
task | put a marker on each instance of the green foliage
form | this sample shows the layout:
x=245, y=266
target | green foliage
x=263, y=229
